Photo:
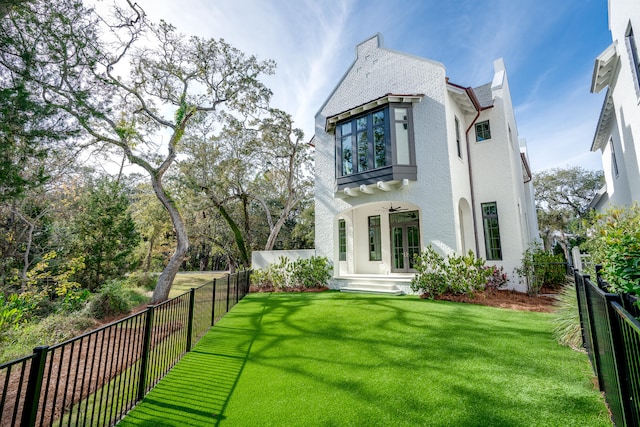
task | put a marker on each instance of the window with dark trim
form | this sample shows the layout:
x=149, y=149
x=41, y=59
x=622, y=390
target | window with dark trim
x=376, y=146
x=483, y=131
x=632, y=47
x=614, y=161
x=491, y=231
x=342, y=240
x=375, y=245
x=458, y=146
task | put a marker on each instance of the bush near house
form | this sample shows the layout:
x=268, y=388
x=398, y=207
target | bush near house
x=540, y=268
x=456, y=274
x=615, y=243
x=287, y=275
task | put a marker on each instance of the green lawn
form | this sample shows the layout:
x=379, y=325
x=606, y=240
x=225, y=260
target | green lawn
x=337, y=359
x=184, y=281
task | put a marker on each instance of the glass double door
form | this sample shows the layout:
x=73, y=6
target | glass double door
x=405, y=240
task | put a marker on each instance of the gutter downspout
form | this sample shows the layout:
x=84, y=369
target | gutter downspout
x=476, y=104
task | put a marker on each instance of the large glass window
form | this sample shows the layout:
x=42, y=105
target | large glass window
x=483, y=131
x=342, y=240
x=375, y=250
x=367, y=142
x=347, y=150
x=491, y=231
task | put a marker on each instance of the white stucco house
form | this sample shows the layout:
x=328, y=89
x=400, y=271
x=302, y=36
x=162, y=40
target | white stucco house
x=617, y=134
x=405, y=159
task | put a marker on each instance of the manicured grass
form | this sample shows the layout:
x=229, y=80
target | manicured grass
x=336, y=359
x=184, y=281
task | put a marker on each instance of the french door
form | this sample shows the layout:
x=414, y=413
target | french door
x=405, y=240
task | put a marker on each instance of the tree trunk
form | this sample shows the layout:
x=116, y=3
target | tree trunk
x=161, y=292
x=149, y=257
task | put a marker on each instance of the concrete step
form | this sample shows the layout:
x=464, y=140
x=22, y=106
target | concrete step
x=368, y=288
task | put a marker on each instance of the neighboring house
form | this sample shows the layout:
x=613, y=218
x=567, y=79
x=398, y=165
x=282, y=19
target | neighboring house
x=618, y=131
x=406, y=159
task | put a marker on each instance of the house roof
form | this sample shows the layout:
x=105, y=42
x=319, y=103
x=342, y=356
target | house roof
x=484, y=95
x=331, y=121
x=601, y=137
x=469, y=99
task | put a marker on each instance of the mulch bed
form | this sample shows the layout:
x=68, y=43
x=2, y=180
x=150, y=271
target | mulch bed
x=507, y=299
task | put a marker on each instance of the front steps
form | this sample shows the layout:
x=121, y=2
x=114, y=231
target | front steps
x=372, y=289
x=375, y=284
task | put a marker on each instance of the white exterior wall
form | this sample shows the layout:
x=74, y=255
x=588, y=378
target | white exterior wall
x=460, y=183
x=443, y=187
x=375, y=73
x=625, y=127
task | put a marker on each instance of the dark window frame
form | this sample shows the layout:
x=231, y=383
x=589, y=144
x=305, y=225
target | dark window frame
x=458, y=141
x=391, y=170
x=483, y=131
x=491, y=226
x=342, y=240
x=375, y=239
x=614, y=160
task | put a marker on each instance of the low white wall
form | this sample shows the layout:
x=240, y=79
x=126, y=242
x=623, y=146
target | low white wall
x=261, y=259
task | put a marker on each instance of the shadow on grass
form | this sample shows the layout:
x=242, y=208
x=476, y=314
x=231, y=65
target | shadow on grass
x=343, y=359
x=198, y=388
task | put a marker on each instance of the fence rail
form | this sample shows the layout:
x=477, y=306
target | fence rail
x=95, y=378
x=611, y=336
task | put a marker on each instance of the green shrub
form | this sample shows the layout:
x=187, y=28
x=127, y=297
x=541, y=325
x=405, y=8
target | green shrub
x=53, y=329
x=16, y=309
x=431, y=279
x=615, y=243
x=497, y=277
x=567, y=328
x=110, y=300
x=144, y=280
x=457, y=274
x=299, y=274
x=313, y=272
x=539, y=268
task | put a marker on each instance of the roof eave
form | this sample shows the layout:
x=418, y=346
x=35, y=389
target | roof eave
x=605, y=68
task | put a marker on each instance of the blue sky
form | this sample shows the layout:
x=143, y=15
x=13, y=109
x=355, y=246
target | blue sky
x=549, y=47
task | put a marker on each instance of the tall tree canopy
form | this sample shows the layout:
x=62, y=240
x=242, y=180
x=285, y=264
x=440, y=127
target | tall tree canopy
x=130, y=85
x=563, y=197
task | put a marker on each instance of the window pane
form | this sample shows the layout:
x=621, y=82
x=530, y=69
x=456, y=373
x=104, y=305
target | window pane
x=342, y=239
x=378, y=118
x=483, y=131
x=361, y=123
x=363, y=151
x=402, y=144
x=345, y=129
x=347, y=156
x=491, y=231
x=398, y=248
x=379, y=147
x=375, y=246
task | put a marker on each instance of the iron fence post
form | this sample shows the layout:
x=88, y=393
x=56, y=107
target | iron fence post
x=146, y=352
x=213, y=304
x=34, y=386
x=192, y=301
x=228, y=288
x=237, y=282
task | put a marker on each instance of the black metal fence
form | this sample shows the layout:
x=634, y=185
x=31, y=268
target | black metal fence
x=94, y=379
x=611, y=335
